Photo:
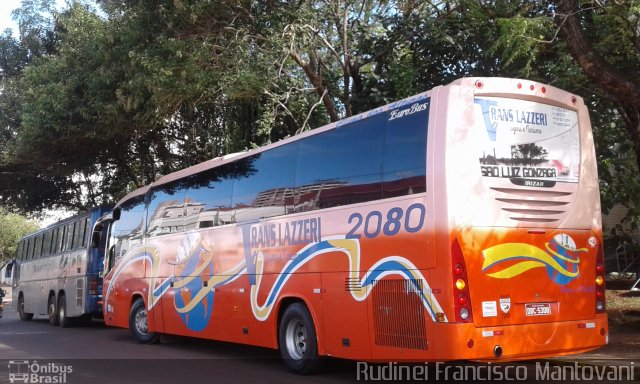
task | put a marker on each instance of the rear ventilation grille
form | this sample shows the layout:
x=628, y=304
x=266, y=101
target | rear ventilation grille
x=533, y=205
x=79, y=292
x=398, y=314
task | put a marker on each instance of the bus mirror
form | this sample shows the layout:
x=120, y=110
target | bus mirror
x=116, y=214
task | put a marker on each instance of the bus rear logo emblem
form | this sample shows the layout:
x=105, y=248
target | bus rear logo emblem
x=561, y=259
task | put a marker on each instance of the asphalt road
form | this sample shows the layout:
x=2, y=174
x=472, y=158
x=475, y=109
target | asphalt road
x=100, y=354
x=97, y=354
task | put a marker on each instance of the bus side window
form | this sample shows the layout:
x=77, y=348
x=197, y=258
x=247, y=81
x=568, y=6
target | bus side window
x=112, y=259
x=61, y=235
x=167, y=208
x=211, y=191
x=340, y=166
x=78, y=233
x=46, y=245
x=20, y=250
x=262, y=181
x=54, y=241
x=405, y=151
x=8, y=272
x=68, y=243
x=37, y=253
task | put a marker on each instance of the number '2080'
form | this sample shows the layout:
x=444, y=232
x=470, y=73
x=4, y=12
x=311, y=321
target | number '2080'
x=395, y=220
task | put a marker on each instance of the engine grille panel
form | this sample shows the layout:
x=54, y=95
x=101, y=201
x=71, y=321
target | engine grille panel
x=399, y=315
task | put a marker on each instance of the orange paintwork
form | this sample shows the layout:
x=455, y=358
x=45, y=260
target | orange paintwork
x=459, y=206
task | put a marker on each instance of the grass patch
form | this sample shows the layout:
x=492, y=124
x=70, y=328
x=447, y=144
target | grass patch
x=623, y=308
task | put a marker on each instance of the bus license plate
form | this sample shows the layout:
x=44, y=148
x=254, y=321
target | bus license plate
x=537, y=309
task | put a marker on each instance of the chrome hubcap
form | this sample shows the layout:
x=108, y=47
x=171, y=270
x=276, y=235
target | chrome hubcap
x=296, y=339
x=141, y=321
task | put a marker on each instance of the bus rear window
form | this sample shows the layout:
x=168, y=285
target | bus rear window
x=530, y=143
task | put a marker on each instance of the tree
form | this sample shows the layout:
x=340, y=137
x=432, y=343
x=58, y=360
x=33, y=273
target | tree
x=599, y=54
x=95, y=104
x=12, y=228
x=530, y=154
x=592, y=49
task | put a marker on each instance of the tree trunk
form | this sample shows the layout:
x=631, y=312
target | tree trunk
x=618, y=86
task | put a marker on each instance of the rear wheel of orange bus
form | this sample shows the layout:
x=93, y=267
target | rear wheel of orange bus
x=297, y=341
x=139, y=323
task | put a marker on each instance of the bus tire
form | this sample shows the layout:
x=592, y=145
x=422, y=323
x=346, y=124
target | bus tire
x=24, y=316
x=52, y=310
x=63, y=320
x=297, y=341
x=139, y=324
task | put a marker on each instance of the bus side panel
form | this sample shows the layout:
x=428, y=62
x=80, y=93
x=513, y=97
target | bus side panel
x=72, y=274
x=345, y=321
x=123, y=282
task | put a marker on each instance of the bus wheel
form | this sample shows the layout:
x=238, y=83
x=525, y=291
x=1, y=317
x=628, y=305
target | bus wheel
x=23, y=315
x=297, y=341
x=139, y=324
x=52, y=310
x=63, y=320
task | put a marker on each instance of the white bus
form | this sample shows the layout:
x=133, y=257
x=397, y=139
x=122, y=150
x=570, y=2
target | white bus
x=6, y=274
x=57, y=272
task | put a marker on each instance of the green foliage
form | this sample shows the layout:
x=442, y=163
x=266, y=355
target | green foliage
x=95, y=103
x=531, y=42
x=12, y=228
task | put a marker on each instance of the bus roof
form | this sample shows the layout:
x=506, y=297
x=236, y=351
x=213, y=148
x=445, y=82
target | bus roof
x=69, y=219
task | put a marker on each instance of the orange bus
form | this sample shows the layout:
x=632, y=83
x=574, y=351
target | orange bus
x=460, y=223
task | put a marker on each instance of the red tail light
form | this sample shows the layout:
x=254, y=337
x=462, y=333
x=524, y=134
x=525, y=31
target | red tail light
x=93, y=286
x=461, y=295
x=599, y=281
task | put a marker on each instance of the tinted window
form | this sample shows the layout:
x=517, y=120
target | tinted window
x=209, y=197
x=19, y=250
x=54, y=241
x=262, y=183
x=405, y=151
x=29, y=249
x=341, y=166
x=68, y=240
x=127, y=231
x=166, y=209
x=38, y=247
x=78, y=233
x=84, y=228
x=46, y=246
x=60, y=238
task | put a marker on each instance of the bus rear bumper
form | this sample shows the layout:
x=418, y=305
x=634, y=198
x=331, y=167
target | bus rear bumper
x=448, y=341
x=531, y=341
